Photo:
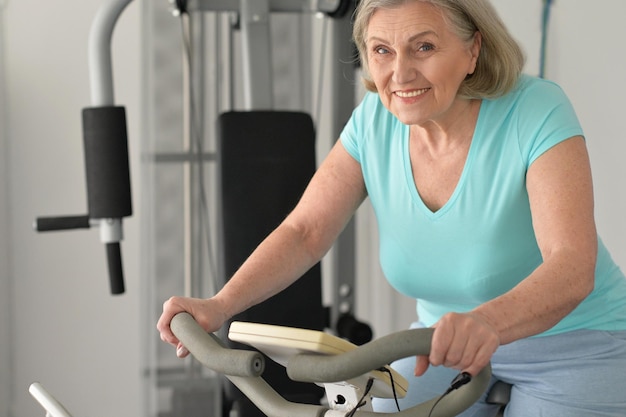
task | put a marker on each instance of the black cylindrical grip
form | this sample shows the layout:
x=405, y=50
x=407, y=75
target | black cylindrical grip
x=355, y=331
x=116, y=275
x=106, y=162
x=48, y=224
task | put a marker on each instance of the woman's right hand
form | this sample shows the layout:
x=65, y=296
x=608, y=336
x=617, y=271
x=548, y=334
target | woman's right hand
x=207, y=312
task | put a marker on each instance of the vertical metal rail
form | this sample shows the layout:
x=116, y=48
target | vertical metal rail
x=193, y=140
x=343, y=93
x=193, y=85
x=99, y=53
x=257, y=62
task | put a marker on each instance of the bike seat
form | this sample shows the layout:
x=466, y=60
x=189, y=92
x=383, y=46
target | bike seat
x=500, y=393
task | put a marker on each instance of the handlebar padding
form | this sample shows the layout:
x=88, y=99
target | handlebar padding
x=378, y=353
x=243, y=368
x=211, y=352
x=352, y=364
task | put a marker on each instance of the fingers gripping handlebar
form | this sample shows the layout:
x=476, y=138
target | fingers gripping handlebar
x=375, y=355
x=241, y=367
x=209, y=350
x=244, y=369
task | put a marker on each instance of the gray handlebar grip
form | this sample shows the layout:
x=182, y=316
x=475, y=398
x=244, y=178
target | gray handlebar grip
x=449, y=405
x=211, y=352
x=357, y=362
x=375, y=355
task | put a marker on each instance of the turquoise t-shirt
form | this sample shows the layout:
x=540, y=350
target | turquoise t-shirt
x=481, y=243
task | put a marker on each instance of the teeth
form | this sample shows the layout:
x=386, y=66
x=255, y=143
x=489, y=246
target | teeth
x=413, y=93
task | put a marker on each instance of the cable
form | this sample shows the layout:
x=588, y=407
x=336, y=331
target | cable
x=460, y=380
x=368, y=388
x=196, y=142
x=545, y=20
x=361, y=401
x=393, y=385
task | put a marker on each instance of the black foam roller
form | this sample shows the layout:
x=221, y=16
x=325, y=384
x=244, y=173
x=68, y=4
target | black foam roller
x=106, y=162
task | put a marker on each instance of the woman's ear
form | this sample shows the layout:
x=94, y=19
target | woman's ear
x=475, y=51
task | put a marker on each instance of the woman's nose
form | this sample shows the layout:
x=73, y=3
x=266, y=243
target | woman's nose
x=404, y=69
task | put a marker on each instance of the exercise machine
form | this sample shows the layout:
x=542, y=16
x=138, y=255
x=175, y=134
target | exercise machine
x=107, y=162
x=350, y=374
x=105, y=152
x=264, y=157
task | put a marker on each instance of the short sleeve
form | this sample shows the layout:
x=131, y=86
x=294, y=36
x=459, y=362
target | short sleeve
x=546, y=117
x=353, y=132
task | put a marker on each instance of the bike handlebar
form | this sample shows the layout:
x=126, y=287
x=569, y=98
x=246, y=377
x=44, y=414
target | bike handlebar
x=244, y=368
x=209, y=350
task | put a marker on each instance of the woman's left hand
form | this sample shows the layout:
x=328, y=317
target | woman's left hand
x=463, y=341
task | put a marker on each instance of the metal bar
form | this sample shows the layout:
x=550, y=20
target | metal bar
x=99, y=53
x=179, y=157
x=193, y=137
x=257, y=55
x=294, y=6
x=343, y=97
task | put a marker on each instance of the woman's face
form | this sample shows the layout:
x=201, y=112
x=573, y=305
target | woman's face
x=417, y=62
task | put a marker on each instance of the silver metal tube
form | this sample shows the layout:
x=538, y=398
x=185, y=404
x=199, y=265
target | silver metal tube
x=99, y=52
x=257, y=57
x=295, y=6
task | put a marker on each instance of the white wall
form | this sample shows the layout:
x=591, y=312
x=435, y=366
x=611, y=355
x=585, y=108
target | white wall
x=5, y=299
x=82, y=343
x=585, y=57
x=69, y=333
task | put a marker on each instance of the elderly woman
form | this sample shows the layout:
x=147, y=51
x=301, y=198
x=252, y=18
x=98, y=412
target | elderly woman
x=480, y=181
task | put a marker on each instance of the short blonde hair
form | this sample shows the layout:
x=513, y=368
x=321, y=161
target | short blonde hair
x=500, y=61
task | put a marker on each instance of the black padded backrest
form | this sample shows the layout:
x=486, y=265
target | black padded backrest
x=266, y=161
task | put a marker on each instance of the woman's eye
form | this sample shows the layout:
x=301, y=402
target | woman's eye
x=425, y=47
x=381, y=50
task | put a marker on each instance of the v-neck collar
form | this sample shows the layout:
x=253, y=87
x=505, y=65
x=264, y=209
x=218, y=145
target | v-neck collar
x=408, y=170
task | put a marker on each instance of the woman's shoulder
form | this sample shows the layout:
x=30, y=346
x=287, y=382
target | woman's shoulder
x=532, y=96
x=537, y=89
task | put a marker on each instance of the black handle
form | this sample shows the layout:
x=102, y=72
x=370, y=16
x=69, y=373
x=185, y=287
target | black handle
x=48, y=224
x=354, y=330
x=116, y=274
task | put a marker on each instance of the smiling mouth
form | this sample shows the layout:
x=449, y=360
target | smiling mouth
x=414, y=93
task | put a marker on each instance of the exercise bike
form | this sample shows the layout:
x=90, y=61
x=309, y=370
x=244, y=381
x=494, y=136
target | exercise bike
x=350, y=374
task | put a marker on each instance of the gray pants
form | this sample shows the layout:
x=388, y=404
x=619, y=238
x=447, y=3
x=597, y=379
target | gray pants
x=575, y=374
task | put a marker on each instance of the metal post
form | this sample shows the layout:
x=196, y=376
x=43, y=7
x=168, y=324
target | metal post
x=257, y=57
x=343, y=96
x=100, y=67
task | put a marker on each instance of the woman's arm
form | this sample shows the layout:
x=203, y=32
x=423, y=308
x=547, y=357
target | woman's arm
x=560, y=189
x=561, y=199
x=301, y=240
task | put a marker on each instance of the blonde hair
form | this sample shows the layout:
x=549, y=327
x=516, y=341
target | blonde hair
x=500, y=61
